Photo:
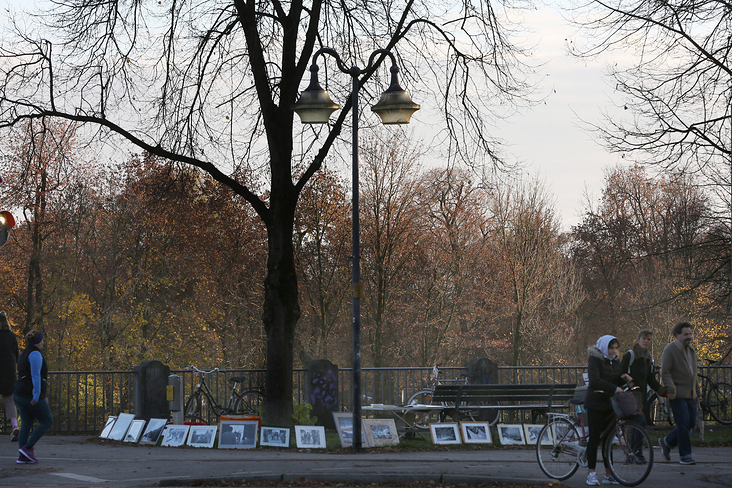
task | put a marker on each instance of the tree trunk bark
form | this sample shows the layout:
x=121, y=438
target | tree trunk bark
x=281, y=310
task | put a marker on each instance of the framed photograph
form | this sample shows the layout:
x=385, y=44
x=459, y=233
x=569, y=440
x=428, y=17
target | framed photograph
x=153, y=431
x=238, y=434
x=135, y=431
x=175, y=435
x=344, y=426
x=445, y=433
x=202, y=435
x=476, y=432
x=310, y=436
x=107, y=429
x=511, y=434
x=274, y=437
x=380, y=432
x=532, y=431
x=119, y=429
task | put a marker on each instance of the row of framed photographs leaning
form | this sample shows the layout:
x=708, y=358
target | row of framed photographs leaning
x=247, y=434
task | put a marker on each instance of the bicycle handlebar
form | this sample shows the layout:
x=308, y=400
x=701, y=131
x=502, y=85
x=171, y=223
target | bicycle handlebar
x=202, y=371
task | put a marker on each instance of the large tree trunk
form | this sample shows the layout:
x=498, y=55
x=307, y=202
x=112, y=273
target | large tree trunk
x=281, y=310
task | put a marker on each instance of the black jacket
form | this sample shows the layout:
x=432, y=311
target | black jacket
x=24, y=386
x=641, y=371
x=8, y=361
x=604, y=375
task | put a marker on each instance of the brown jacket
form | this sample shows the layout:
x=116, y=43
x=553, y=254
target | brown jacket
x=677, y=375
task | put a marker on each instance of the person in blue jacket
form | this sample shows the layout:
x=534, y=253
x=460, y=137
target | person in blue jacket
x=30, y=396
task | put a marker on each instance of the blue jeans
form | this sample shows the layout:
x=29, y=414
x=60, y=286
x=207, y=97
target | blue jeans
x=28, y=415
x=684, y=410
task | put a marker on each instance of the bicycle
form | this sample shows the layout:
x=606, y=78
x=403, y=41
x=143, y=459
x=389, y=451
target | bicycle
x=561, y=450
x=424, y=397
x=657, y=407
x=247, y=403
x=716, y=397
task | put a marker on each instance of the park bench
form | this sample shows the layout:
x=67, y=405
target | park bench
x=540, y=398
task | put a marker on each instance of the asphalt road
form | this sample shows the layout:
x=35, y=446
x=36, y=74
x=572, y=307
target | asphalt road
x=89, y=462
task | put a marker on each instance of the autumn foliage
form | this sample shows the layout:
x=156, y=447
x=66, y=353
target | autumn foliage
x=143, y=259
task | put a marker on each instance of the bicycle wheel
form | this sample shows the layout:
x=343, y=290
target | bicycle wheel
x=719, y=402
x=422, y=420
x=659, y=411
x=251, y=402
x=629, y=452
x=558, y=449
x=192, y=410
x=488, y=415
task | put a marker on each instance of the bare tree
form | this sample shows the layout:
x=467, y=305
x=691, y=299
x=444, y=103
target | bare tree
x=211, y=84
x=675, y=70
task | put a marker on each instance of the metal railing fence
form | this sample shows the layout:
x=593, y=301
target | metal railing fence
x=80, y=401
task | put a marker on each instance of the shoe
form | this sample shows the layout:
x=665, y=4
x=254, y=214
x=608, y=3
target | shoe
x=640, y=459
x=592, y=479
x=14, y=435
x=665, y=450
x=610, y=480
x=29, y=454
x=687, y=460
x=23, y=460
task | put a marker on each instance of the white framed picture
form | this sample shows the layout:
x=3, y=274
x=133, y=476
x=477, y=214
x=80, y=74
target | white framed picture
x=380, y=432
x=476, y=432
x=175, y=435
x=108, y=424
x=511, y=434
x=344, y=426
x=202, y=435
x=120, y=426
x=135, y=431
x=445, y=433
x=274, y=437
x=153, y=431
x=310, y=436
x=238, y=434
x=532, y=432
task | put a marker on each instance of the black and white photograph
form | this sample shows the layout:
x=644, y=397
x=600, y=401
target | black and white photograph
x=476, y=432
x=310, y=436
x=175, y=435
x=135, y=430
x=532, y=432
x=238, y=434
x=344, y=426
x=445, y=433
x=120, y=426
x=511, y=434
x=380, y=432
x=153, y=431
x=107, y=429
x=202, y=435
x=274, y=437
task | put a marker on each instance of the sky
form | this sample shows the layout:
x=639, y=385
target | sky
x=548, y=138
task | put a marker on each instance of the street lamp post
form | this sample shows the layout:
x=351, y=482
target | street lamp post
x=394, y=107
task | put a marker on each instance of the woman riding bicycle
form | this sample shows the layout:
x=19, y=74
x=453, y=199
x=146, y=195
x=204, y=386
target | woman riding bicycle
x=606, y=377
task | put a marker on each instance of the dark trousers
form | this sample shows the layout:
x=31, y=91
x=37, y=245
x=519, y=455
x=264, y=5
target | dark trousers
x=597, y=422
x=28, y=415
x=684, y=410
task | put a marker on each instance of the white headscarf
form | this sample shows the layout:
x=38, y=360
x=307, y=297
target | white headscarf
x=603, y=343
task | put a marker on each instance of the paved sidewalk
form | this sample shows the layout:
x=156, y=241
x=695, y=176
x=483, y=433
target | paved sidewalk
x=67, y=461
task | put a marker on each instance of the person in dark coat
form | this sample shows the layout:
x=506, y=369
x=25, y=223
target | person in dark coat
x=606, y=378
x=638, y=363
x=8, y=362
x=30, y=396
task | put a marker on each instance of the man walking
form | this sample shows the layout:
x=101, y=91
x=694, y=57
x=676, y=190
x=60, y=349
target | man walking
x=678, y=373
